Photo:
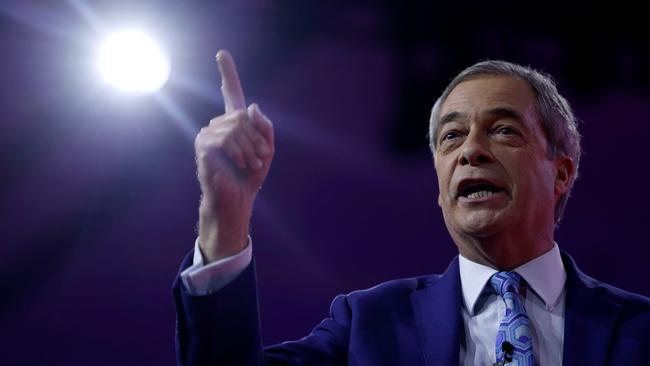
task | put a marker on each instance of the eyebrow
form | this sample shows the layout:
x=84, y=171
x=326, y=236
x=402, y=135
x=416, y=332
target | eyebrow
x=503, y=112
x=450, y=117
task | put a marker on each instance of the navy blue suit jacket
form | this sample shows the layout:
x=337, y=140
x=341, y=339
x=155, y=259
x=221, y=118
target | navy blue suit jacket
x=414, y=321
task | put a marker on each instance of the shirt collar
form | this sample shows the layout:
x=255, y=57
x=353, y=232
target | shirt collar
x=545, y=275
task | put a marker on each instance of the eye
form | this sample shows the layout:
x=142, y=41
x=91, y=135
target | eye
x=449, y=135
x=506, y=130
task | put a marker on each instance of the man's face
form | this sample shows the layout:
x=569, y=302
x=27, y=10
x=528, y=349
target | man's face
x=491, y=160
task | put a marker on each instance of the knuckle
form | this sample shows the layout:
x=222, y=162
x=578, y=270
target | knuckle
x=201, y=155
x=236, y=116
x=217, y=120
x=240, y=115
x=198, y=140
x=242, y=137
x=230, y=139
x=236, y=130
x=259, y=140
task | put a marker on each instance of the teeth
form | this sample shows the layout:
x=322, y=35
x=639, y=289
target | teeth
x=480, y=194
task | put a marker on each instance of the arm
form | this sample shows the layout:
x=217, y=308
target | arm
x=233, y=157
x=201, y=279
x=223, y=328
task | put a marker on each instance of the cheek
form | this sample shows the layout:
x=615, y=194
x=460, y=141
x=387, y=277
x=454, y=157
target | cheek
x=442, y=190
x=535, y=178
x=444, y=173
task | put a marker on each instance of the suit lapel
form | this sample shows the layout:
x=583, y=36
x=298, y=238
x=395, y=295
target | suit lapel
x=589, y=319
x=436, y=308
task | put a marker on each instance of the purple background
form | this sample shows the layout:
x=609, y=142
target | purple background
x=98, y=197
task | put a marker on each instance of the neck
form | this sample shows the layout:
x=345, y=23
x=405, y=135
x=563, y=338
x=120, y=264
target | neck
x=503, y=252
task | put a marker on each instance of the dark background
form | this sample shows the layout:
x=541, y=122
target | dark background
x=98, y=196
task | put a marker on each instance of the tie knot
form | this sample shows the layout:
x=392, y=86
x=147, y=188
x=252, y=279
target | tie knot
x=504, y=282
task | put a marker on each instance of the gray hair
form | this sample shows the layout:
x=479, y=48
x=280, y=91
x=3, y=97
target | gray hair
x=557, y=119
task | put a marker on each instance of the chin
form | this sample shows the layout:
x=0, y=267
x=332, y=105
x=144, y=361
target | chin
x=481, y=223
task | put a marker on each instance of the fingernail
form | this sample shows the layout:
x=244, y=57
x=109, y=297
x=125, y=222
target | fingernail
x=258, y=164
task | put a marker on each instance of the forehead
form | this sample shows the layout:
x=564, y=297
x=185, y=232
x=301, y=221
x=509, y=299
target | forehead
x=486, y=92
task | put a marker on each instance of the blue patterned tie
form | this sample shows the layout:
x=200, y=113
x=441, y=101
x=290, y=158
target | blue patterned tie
x=515, y=326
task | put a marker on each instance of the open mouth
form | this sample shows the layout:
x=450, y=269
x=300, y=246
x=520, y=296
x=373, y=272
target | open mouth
x=478, y=188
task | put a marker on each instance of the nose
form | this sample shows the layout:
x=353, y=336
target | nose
x=475, y=151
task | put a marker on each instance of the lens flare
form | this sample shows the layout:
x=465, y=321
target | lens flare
x=131, y=61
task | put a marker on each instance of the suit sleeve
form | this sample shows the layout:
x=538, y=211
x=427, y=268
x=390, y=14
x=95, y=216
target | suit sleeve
x=223, y=328
x=201, y=279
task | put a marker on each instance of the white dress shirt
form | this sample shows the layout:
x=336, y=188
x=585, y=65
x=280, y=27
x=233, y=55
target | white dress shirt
x=200, y=279
x=482, y=307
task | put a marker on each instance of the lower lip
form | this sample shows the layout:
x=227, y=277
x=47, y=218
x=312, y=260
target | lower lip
x=492, y=197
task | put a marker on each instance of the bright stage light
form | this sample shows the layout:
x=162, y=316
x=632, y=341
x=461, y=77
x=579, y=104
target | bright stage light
x=131, y=61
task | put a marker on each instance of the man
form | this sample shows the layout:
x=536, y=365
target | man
x=506, y=151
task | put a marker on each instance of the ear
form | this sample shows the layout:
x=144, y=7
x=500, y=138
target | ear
x=564, y=174
x=435, y=167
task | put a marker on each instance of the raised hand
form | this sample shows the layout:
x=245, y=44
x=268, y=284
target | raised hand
x=233, y=155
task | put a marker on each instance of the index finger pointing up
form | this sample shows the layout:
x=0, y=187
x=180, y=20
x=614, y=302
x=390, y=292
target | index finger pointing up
x=233, y=96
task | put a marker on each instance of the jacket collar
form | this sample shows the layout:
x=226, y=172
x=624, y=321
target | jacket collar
x=436, y=308
x=589, y=318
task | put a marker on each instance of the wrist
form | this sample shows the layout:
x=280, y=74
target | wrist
x=221, y=236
